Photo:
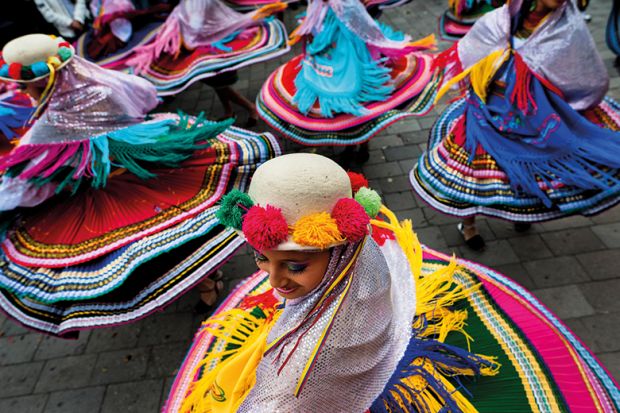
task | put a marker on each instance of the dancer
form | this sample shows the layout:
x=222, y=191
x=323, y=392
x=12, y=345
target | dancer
x=204, y=38
x=344, y=318
x=109, y=212
x=355, y=77
x=534, y=138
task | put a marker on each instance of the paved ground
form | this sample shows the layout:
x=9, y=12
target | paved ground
x=570, y=264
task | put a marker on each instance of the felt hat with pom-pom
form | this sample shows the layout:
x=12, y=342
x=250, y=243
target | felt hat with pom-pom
x=34, y=56
x=300, y=201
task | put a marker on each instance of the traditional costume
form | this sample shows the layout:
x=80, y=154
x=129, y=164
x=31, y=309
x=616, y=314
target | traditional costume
x=356, y=77
x=534, y=138
x=391, y=327
x=461, y=15
x=123, y=220
x=202, y=38
x=118, y=29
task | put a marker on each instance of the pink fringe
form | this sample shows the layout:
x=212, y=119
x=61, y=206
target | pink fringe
x=50, y=158
x=168, y=40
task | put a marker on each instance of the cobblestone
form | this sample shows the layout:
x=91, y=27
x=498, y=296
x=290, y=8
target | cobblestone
x=570, y=264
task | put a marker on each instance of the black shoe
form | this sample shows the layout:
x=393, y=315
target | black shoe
x=522, y=226
x=476, y=242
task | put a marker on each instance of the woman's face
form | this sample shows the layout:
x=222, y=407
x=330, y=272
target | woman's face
x=293, y=273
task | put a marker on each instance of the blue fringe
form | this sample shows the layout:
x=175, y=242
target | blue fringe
x=440, y=354
x=552, y=143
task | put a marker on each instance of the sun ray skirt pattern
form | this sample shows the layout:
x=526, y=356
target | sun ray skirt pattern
x=109, y=256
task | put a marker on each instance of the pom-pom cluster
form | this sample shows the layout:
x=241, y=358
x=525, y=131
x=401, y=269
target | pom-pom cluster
x=265, y=227
x=17, y=71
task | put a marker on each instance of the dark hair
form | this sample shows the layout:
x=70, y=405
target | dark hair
x=522, y=14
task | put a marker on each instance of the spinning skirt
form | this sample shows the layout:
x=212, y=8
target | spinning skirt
x=544, y=367
x=415, y=87
x=109, y=256
x=450, y=180
x=171, y=75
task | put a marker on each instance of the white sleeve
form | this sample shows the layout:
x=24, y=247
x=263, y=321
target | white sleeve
x=50, y=15
x=81, y=11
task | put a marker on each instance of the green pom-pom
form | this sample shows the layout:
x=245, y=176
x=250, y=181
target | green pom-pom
x=64, y=53
x=233, y=207
x=370, y=200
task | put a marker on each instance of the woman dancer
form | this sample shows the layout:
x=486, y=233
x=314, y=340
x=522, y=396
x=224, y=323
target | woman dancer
x=534, y=138
x=349, y=313
x=355, y=77
x=107, y=212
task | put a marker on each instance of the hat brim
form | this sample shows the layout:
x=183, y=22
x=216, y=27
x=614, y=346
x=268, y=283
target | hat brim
x=63, y=64
x=290, y=245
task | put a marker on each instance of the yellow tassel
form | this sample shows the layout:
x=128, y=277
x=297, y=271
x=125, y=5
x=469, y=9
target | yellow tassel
x=268, y=10
x=51, y=81
x=229, y=373
x=480, y=74
x=317, y=230
x=427, y=42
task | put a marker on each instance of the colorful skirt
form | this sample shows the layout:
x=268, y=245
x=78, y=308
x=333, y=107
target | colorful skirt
x=171, y=74
x=415, y=87
x=456, y=183
x=544, y=366
x=104, y=257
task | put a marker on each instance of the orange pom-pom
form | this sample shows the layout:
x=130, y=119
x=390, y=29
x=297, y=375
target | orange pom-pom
x=317, y=230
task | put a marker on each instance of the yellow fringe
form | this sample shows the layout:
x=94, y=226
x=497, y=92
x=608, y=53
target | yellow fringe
x=268, y=10
x=429, y=42
x=224, y=388
x=480, y=74
x=435, y=294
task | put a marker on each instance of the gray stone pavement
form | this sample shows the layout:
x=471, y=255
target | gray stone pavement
x=570, y=264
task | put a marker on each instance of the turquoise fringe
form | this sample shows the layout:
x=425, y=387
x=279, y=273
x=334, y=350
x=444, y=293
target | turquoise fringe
x=165, y=143
x=355, y=79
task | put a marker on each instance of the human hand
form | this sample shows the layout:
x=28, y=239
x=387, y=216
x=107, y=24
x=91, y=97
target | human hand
x=76, y=25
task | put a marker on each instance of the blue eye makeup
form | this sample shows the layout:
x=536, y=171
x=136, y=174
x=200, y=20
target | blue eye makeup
x=297, y=267
x=259, y=257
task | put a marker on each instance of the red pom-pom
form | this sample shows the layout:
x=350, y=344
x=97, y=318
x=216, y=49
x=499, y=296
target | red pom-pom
x=15, y=71
x=64, y=44
x=351, y=218
x=357, y=181
x=265, y=228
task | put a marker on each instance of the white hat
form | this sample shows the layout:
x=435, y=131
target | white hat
x=299, y=201
x=29, y=58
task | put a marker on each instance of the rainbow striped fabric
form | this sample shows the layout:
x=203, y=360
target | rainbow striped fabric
x=544, y=367
x=453, y=182
x=173, y=74
x=415, y=87
x=123, y=274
